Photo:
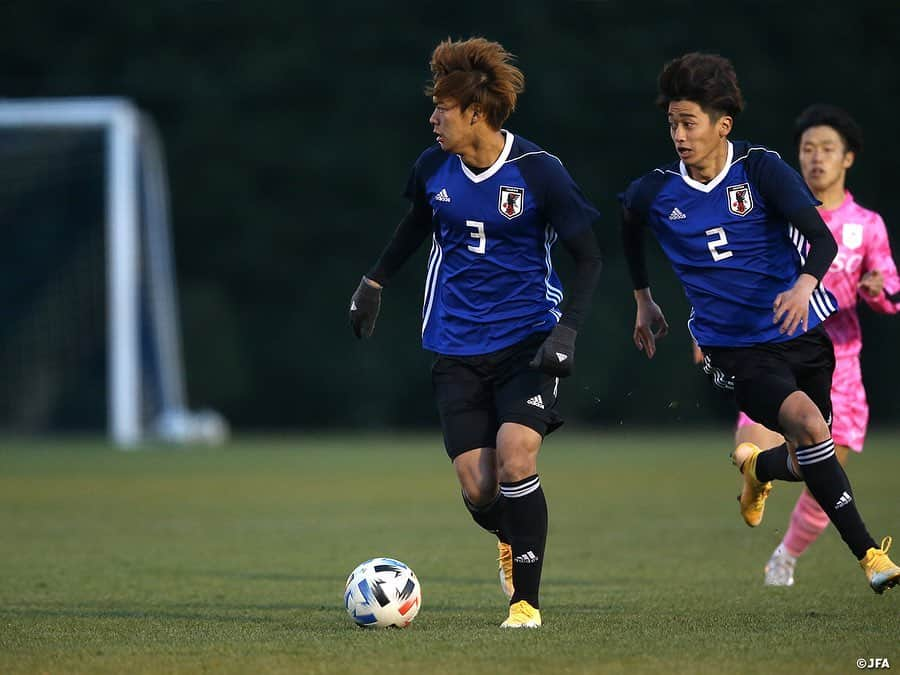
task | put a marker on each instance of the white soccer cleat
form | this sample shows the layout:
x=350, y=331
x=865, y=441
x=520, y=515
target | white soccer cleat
x=780, y=568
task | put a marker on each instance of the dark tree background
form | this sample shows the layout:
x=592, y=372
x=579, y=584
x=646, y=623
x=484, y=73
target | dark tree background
x=290, y=128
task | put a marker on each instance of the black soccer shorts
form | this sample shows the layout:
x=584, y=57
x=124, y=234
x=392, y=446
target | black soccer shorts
x=476, y=394
x=764, y=375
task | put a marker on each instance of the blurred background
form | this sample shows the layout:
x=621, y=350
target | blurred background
x=289, y=129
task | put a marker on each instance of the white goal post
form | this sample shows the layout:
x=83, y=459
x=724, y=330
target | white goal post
x=138, y=250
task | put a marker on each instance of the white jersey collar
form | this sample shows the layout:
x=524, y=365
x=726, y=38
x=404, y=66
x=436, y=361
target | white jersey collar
x=493, y=168
x=710, y=186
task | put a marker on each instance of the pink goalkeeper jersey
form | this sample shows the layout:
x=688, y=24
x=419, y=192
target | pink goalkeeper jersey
x=862, y=247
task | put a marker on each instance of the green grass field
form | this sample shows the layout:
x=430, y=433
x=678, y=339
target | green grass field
x=233, y=560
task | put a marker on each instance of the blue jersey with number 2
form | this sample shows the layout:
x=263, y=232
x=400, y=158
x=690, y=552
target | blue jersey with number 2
x=490, y=281
x=731, y=243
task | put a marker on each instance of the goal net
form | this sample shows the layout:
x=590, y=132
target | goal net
x=89, y=332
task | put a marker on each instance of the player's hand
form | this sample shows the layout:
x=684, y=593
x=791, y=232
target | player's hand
x=364, y=307
x=556, y=355
x=872, y=283
x=649, y=326
x=791, y=308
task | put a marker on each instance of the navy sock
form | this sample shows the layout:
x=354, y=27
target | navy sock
x=827, y=482
x=526, y=524
x=775, y=464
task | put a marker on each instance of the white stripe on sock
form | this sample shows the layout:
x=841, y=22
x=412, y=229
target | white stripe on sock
x=815, y=453
x=526, y=488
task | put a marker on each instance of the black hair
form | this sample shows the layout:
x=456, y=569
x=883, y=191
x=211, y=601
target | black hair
x=827, y=115
x=708, y=80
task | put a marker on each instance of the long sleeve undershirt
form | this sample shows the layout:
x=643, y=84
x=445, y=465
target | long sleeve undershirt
x=822, y=246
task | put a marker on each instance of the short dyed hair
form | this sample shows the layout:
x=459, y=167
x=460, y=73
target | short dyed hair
x=827, y=115
x=476, y=71
x=708, y=80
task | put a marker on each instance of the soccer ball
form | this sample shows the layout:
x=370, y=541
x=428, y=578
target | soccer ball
x=382, y=592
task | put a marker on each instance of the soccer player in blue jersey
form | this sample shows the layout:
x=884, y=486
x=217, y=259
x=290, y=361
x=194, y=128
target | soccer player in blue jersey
x=493, y=204
x=742, y=232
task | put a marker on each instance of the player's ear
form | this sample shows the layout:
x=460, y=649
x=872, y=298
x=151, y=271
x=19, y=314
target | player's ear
x=726, y=123
x=849, y=158
x=476, y=113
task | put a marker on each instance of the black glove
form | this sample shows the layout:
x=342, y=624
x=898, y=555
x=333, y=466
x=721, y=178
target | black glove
x=556, y=356
x=364, y=306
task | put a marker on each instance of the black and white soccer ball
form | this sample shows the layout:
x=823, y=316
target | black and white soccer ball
x=382, y=592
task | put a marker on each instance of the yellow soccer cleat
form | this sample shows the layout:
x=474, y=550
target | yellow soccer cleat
x=753, y=494
x=522, y=615
x=505, y=563
x=880, y=570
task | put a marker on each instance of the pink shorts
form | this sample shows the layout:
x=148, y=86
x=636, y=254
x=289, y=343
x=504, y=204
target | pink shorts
x=848, y=400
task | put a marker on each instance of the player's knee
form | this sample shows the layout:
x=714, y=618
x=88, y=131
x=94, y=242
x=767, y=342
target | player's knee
x=479, y=490
x=802, y=420
x=515, y=466
x=807, y=427
x=513, y=472
x=517, y=450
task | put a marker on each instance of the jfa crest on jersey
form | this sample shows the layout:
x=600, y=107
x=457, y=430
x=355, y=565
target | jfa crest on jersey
x=490, y=280
x=511, y=199
x=730, y=242
x=740, y=200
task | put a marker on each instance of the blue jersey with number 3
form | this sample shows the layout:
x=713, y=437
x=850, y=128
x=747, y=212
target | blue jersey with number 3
x=731, y=243
x=490, y=281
